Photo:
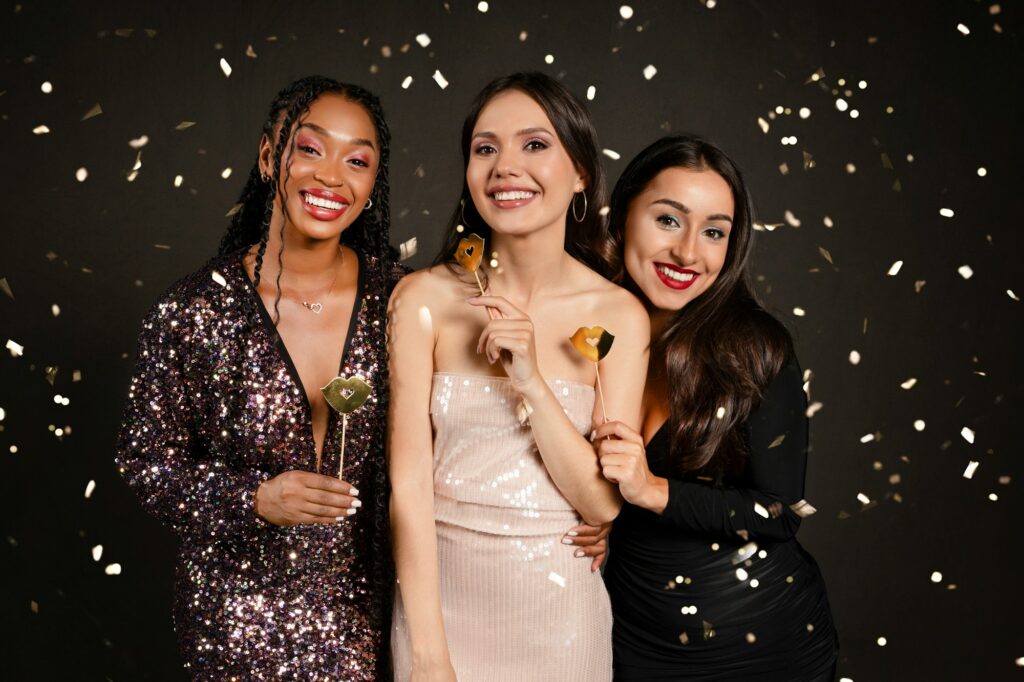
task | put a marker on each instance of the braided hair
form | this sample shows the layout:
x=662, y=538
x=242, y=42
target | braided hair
x=369, y=235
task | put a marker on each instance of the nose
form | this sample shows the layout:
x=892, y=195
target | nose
x=685, y=248
x=329, y=175
x=506, y=164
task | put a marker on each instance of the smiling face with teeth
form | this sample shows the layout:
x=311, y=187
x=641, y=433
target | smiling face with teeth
x=519, y=174
x=328, y=171
x=677, y=235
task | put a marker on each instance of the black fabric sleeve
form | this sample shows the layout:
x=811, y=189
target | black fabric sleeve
x=757, y=506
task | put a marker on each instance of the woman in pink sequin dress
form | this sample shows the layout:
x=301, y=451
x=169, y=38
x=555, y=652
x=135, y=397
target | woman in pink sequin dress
x=492, y=407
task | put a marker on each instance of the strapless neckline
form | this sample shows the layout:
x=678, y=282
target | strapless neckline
x=506, y=380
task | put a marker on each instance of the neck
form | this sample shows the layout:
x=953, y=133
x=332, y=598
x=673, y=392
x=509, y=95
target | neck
x=304, y=261
x=529, y=264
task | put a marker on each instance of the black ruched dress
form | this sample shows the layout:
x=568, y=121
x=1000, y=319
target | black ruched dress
x=717, y=587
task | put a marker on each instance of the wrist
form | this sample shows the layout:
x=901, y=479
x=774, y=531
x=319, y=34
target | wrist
x=533, y=390
x=655, y=496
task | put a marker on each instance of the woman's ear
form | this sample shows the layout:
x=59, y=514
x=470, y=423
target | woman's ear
x=266, y=157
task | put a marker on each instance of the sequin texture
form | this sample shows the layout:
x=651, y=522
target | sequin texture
x=214, y=409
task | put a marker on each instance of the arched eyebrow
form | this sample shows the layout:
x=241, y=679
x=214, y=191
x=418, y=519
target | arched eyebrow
x=359, y=141
x=525, y=131
x=685, y=210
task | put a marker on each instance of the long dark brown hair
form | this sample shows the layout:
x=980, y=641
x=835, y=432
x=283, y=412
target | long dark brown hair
x=576, y=132
x=719, y=352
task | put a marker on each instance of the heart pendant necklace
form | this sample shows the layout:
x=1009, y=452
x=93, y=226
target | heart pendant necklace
x=316, y=307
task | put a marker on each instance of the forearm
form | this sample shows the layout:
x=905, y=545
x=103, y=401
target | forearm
x=727, y=513
x=414, y=535
x=570, y=459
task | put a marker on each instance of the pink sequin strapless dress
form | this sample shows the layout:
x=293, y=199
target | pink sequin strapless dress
x=517, y=604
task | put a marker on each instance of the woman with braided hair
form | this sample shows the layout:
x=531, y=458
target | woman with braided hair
x=284, y=568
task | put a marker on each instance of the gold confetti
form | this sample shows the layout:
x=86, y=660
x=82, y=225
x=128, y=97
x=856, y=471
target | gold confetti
x=250, y=52
x=41, y=130
x=611, y=154
x=778, y=441
x=6, y=288
x=184, y=124
x=95, y=111
x=650, y=71
x=825, y=254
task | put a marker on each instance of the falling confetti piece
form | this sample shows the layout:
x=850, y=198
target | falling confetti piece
x=760, y=510
x=178, y=180
x=741, y=574
x=720, y=413
x=965, y=271
x=982, y=172
x=854, y=357
x=46, y=87
x=483, y=6
x=250, y=52
x=113, y=569
x=867, y=438
x=184, y=124
x=97, y=552
x=967, y=434
x=226, y=173
x=6, y=288
x=440, y=79
x=626, y=12
x=841, y=104
x=799, y=312
x=95, y=111
x=225, y=67
x=778, y=441
x=407, y=249
x=549, y=59
x=650, y=71
x=407, y=82
x=40, y=130
x=972, y=466
x=946, y=212
x=919, y=425
x=81, y=174
x=791, y=219
x=963, y=29
x=611, y=154
x=805, y=112
x=751, y=638
x=827, y=222
x=591, y=93
x=3, y=413
x=423, y=39
x=993, y=497
x=894, y=269
x=864, y=499
x=908, y=384
x=16, y=349
x=89, y=488
x=55, y=310
x=763, y=124
x=219, y=278
x=813, y=409
x=882, y=641
x=556, y=579
x=1009, y=292
x=139, y=142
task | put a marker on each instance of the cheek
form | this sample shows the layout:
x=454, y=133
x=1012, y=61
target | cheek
x=634, y=250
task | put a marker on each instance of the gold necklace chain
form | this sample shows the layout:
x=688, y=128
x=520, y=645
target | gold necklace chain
x=317, y=307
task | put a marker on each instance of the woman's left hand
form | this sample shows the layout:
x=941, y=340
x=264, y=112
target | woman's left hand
x=590, y=542
x=510, y=340
x=623, y=460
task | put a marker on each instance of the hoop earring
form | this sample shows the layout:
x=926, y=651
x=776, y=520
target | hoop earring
x=462, y=213
x=579, y=218
x=369, y=203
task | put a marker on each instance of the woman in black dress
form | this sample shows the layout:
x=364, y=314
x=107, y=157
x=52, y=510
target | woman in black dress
x=706, y=578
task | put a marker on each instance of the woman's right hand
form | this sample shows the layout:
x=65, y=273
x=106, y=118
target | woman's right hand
x=435, y=671
x=296, y=497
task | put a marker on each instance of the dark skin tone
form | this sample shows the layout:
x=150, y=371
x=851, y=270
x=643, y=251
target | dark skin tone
x=333, y=161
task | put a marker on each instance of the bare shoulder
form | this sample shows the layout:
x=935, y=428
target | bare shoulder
x=619, y=306
x=430, y=285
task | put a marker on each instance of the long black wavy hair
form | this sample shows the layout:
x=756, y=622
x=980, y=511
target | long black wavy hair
x=722, y=349
x=369, y=235
x=576, y=132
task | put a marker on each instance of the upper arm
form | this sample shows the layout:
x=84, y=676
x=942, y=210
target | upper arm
x=411, y=335
x=778, y=438
x=624, y=369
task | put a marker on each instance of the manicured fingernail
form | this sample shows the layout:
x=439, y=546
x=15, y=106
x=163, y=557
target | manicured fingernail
x=578, y=553
x=566, y=541
x=339, y=518
x=572, y=533
x=350, y=512
x=353, y=491
x=357, y=503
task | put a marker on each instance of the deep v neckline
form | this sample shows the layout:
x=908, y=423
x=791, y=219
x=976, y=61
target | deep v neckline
x=268, y=326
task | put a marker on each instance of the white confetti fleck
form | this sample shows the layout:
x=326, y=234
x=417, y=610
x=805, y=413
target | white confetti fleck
x=841, y=104
x=720, y=413
x=556, y=579
x=854, y=357
x=1019, y=662
x=626, y=12
x=919, y=425
x=854, y=113
x=483, y=6
x=423, y=39
x=741, y=574
x=139, y=142
x=55, y=310
x=225, y=67
x=89, y=488
x=226, y=173
x=851, y=168
x=1009, y=292
x=46, y=87
x=611, y=154
x=407, y=82
x=936, y=577
x=40, y=130
x=982, y=172
x=882, y=641
x=763, y=124
x=972, y=466
x=965, y=271
x=993, y=497
x=863, y=85
x=178, y=180
x=963, y=29
x=867, y=438
x=219, y=278
x=791, y=219
x=894, y=269
x=908, y=384
x=813, y=408
x=710, y=4
x=968, y=435
x=946, y=212
x=16, y=348
x=113, y=569
x=591, y=93
x=97, y=552
x=805, y=112
x=549, y=59
x=81, y=174
x=760, y=510
x=799, y=312
x=2, y=414
x=440, y=79
x=864, y=499
x=827, y=222
x=755, y=582
x=407, y=249
x=650, y=71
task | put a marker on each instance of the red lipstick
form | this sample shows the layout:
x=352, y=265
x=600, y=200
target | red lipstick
x=332, y=205
x=675, y=277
